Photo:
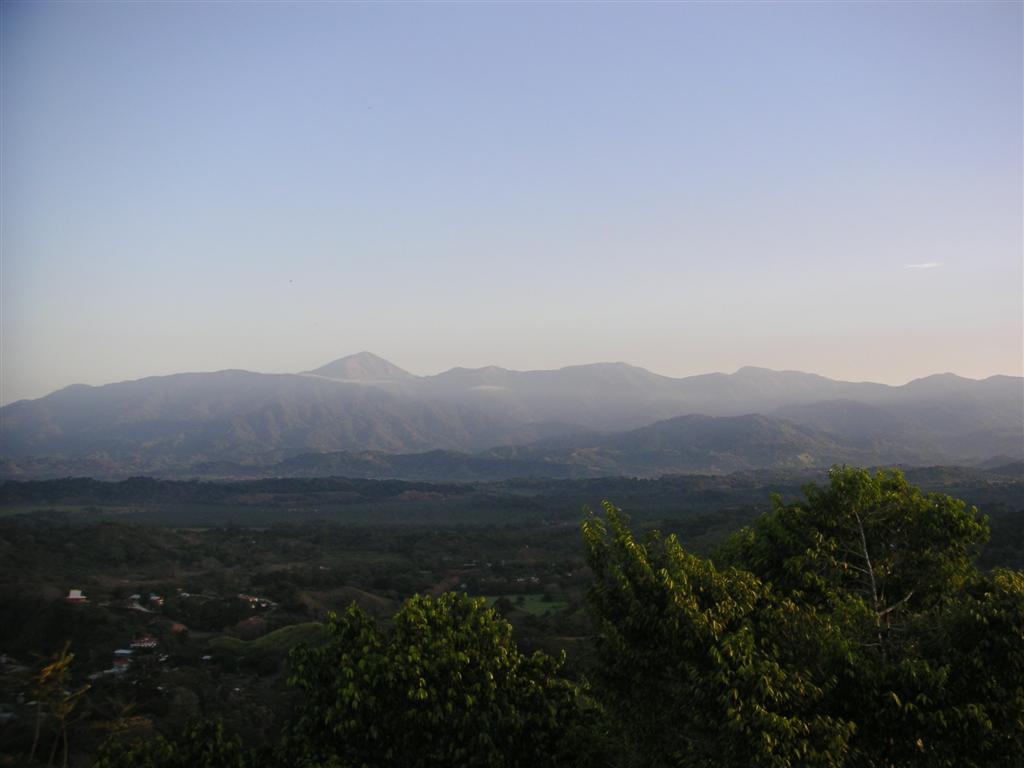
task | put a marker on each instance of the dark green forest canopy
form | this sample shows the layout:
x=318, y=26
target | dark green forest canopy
x=849, y=626
x=700, y=508
x=443, y=685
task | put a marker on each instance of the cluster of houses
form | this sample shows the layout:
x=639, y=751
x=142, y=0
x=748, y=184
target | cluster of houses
x=134, y=601
x=257, y=602
x=152, y=603
x=123, y=656
x=153, y=600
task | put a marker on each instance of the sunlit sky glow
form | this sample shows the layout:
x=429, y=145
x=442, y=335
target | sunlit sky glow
x=831, y=187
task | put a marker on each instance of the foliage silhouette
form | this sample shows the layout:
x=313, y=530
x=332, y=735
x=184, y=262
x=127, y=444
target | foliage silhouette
x=850, y=628
x=847, y=629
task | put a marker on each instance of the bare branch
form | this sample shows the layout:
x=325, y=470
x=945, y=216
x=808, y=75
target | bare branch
x=894, y=606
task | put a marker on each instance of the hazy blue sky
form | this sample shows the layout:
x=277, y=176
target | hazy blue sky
x=687, y=187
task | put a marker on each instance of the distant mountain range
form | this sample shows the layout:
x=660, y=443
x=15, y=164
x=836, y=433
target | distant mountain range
x=363, y=416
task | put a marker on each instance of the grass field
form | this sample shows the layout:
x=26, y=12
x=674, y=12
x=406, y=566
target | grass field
x=532, y=604
x=279, y=642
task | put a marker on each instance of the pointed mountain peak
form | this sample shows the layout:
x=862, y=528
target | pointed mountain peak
x=364, y=366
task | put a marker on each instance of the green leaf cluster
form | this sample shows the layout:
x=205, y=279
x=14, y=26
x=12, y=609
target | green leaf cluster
x=850, y=628
x=703, y=666
x=444, y=685
x=202, y=744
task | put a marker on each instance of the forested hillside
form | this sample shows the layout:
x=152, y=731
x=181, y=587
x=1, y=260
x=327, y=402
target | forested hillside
x=850, y=623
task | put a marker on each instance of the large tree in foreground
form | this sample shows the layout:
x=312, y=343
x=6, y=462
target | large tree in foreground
x=444, y=685
x=847, y=629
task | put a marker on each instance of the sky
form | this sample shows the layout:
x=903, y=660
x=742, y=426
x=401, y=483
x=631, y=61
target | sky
x=689, y=187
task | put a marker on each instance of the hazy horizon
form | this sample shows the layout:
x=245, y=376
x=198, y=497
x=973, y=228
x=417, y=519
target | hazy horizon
x=427, y=373
x=831, y=188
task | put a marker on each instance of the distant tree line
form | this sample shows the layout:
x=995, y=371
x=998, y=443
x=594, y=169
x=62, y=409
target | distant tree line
x=144, y=490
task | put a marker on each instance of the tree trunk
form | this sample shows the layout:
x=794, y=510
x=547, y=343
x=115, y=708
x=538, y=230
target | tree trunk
x=39, y=723
x=53, y=751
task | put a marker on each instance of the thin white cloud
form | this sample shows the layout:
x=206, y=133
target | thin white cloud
x=924, y=265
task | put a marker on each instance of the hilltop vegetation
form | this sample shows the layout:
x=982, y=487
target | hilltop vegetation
x=778, y=634
x=847, y=628
x=279, y=641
